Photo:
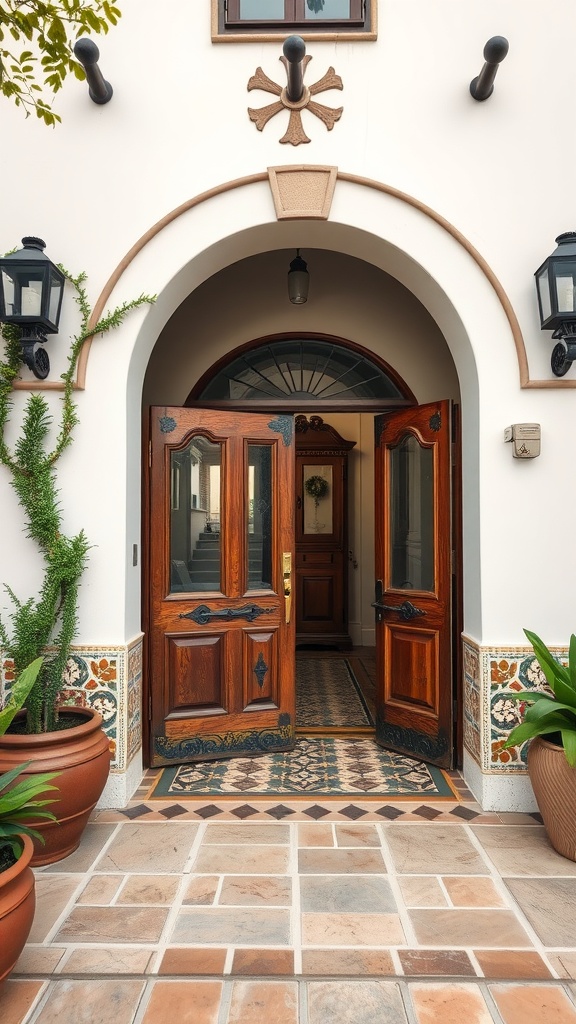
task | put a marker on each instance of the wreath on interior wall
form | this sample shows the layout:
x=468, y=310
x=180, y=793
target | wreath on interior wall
x=317, y=487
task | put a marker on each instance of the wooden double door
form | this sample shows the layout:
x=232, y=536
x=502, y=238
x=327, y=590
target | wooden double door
x=220, y=612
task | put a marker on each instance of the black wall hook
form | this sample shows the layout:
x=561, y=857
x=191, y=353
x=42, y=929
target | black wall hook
x=88, y=54
x=495, y=50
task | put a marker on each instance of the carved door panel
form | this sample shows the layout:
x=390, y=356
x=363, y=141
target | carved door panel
x=221, y=623
x=413, y=582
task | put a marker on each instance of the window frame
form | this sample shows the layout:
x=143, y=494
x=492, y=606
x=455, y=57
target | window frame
x=231, y=29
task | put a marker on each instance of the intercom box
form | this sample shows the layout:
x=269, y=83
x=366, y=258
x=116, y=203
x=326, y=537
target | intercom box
x=525, y=438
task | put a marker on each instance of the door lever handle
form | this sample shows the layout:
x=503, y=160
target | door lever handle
x=287, y=582
x=406, y=610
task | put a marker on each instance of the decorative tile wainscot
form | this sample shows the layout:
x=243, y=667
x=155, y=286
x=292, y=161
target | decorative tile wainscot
x=491, y=675
x=110, y=680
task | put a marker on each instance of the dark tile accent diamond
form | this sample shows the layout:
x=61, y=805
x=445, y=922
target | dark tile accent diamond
x=316, y=812
x=464, y=812
x=173, y=811
x=279, y=811
x=390, y=812
x=135, y=812
x=353, y=812
x=245, y=811
x=209, y=811
x=427, y=812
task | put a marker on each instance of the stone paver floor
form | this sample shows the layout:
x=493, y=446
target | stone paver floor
x=410, y=914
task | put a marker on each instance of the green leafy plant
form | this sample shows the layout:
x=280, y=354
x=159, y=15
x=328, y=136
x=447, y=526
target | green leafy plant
x=37, y=42
x=46, y=623
x=317, y=487
x=18, y=804
x=550, y=713
x=18, y=693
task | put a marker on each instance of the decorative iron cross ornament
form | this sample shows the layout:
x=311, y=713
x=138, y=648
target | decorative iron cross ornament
x=295, y=133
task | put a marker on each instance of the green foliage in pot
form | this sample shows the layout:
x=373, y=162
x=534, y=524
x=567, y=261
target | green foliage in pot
x=47, y=621
x=19, y=803
x=550, y=712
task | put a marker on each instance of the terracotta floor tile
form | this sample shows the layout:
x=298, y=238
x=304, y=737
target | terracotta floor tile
x=564, y=964
x=101, y=890
x=256, y=890
x=494, y=928
x=247, y=832
x=421, y=891
x=452, y=1003
x=113, y=924
x=315, y=834
x=257, y=962
x=16, y=998
x=92, y=1002
x=438, y=962
x=467, y=891
x=263, y=1002
x=149, y=889
x=352, y=930
x=53, y=893
x=162, y=846
x=357, y=835
x=533, y=1004
x=243, y=926
x=201, y=891
x=319, y=862
x=125, y=960
x=187, y=1002
x=508, y=963
x=360, y=962
x=354, y=893
x=233, y=860
x=355, y=1002
x=549, y=905
x=522, y=850
x=38, y=960
x=193, y=961
x=432, y=849
x=93, y=840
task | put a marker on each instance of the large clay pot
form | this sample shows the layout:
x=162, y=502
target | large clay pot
x=554, y=785
x=17, y=905
x=82, y=755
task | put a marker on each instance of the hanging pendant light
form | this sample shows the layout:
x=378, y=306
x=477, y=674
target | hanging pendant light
x=298, y=280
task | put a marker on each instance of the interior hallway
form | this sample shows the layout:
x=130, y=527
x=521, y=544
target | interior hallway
x=366, y=913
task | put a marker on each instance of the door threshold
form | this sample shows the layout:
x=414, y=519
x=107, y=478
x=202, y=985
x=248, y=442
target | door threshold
x=331, y=730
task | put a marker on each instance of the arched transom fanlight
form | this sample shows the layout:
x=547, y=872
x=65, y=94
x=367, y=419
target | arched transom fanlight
x=300, y=369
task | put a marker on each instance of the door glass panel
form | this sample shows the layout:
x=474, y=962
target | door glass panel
x=195, y=474
x=317, y=482
x=259, y=539
x=411, y=526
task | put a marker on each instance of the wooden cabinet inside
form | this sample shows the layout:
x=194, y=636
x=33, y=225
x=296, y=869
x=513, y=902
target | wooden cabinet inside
x=321, y=534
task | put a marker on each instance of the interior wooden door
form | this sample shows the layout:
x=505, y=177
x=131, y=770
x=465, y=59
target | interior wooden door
x=413, y=582
x=221, y=622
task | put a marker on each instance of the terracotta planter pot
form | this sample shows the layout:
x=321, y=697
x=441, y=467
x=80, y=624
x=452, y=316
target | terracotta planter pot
x=82, y=755
x=554, y=785
x=17, y=905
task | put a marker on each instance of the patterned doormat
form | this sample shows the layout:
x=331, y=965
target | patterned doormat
x=328, y=695
x=319, y=765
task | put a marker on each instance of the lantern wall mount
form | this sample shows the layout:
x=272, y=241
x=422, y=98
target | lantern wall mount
x=556, y=288
x=31, y=289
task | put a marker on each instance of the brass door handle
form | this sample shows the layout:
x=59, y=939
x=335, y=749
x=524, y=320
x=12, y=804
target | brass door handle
x=287, y=578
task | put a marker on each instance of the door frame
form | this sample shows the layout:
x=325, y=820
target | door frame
x=356, y=405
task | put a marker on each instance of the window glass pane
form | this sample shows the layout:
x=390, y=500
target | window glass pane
x=317, y=499
x=262, y=10
x=315, y=10
x=260, y=509
x=411, y=524
x=195, y=517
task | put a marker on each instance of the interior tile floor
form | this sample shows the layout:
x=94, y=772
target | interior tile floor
x=331, y=913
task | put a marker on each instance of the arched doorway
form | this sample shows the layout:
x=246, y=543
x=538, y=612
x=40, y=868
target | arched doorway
x=228, y=689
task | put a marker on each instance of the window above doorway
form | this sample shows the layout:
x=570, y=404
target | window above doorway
x=250, y=20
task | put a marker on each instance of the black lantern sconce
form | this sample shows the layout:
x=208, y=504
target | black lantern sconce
x=556, y=287
x=298, y=280
x=31, y=289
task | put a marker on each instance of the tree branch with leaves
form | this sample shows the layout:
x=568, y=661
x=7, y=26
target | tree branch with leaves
x=37, y=47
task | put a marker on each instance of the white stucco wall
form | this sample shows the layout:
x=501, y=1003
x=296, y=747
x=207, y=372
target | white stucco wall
x=177, y=125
